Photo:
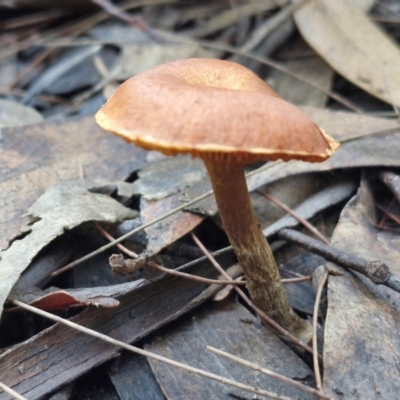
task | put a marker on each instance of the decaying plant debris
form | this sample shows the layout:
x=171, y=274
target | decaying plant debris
x=61, y=177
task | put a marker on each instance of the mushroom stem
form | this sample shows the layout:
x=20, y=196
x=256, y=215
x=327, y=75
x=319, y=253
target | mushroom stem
x=249, y=244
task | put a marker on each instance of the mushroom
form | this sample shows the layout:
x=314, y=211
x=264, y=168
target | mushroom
x=222, y=112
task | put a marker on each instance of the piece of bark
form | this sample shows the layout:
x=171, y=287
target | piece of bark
x=59, y=354
x=36, y=157
x=230, y=327
x=361, y=329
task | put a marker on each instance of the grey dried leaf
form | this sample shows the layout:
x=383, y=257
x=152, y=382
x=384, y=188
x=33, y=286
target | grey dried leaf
x=159, y=180
x=363, y=318
x=60, y=208
x=13, y=114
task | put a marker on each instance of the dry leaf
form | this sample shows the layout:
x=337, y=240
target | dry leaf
x=51, y=76
x=15, y=114
x=61, y=208
x=141, y=53
x=168, y=176
x=52, y=153
x=54, y=298
x=352, y=45
x=170, y=229
x=361, y=330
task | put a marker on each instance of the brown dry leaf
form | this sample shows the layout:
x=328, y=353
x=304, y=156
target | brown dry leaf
x=36, y=157
x=170, y=229
x=352, y=45
x=361, y=330
x=61, y=208
x=230, y=327
x=54, y=298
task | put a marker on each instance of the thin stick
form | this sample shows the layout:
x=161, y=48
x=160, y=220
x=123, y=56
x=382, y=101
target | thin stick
x=194, y=277
x=149, y=354
x=268, y=372
x=303, y=221
x=317, y=372
x=161, y=268
x=262, y=315
x=12, y=392
x=392, y=216
x=302, y=279
x=375, y=270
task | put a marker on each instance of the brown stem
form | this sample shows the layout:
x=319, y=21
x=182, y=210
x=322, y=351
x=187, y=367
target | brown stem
x=249, y=244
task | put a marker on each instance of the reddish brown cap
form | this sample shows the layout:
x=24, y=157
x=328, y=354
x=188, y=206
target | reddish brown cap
x=211, y=107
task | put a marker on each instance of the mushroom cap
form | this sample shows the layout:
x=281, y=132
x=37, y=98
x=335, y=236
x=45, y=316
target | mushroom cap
x=212, y=108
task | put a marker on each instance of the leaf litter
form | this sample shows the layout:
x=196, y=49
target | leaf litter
x=372, y=336
x=63, y=153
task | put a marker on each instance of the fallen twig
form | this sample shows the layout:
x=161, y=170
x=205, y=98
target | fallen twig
x=268, y=372
x=11, y=392
x=317, y=372
x=377, y=271
x=303, y=221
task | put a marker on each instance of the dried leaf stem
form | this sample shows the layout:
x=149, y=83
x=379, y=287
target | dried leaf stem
x=11, y=392
x=149, y=354
x=317, y=372
x=268, y=372
x=302, y=220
